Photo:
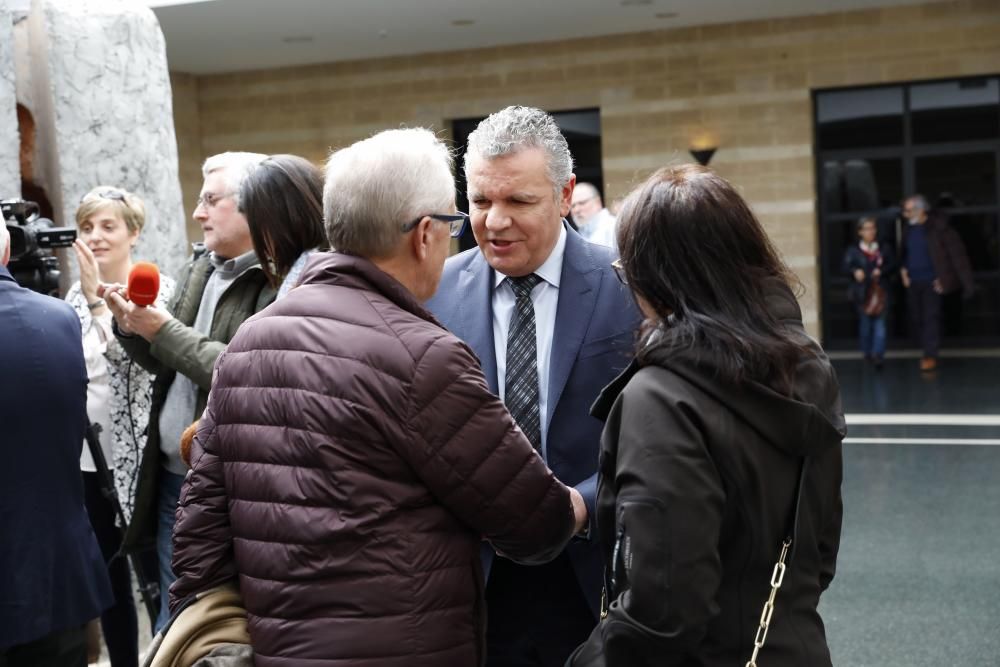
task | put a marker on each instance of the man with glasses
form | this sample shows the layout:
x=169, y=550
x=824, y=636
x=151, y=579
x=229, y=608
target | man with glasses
x=217, y=290
x=594, y=222
x=351, y=458
x=541, y=308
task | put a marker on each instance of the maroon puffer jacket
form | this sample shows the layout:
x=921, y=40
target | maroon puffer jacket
x=349, y=463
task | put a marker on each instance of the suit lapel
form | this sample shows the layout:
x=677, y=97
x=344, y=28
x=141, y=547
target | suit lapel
x=578, y=288
x=477, y=323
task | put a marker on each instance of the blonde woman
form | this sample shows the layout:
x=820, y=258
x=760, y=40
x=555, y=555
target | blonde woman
x=109, y=221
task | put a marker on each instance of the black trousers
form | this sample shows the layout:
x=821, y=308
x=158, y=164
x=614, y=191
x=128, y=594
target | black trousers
x=118, y=624
x=537, y=615
x=924, y=306
x=65, y=648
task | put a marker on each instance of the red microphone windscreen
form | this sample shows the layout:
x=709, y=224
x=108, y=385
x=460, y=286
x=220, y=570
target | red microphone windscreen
x=143, y=283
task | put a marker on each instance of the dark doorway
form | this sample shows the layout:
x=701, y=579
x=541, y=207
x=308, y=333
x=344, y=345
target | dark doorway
x=582, y=129
x=875, y=146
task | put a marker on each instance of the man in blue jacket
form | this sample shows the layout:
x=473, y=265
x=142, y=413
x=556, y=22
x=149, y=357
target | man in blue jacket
x=551, y=325
x=53, y=579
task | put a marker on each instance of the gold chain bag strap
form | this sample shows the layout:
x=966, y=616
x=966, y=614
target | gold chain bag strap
x=778, y=576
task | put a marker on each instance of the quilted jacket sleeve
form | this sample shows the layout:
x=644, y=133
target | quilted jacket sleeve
x=465, y=446
x=203, y=551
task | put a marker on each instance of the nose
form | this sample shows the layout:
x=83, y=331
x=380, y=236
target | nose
x=497, y=219
x=200, y=212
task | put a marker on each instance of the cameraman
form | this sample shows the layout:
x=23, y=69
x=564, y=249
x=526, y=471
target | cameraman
x=52, y=576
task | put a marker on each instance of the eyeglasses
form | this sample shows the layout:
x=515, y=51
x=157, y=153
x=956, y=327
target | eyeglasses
x=117, y=195
x=581, y=202
x=457, y=221
x=210, y=199
x=620, y=271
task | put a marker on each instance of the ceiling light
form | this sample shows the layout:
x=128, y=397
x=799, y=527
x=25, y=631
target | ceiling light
x=462, y=22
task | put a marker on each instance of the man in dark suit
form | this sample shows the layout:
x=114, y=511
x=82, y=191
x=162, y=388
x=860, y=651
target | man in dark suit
x=53, y=579
x=551, y=325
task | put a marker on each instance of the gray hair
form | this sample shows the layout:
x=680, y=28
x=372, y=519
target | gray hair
x=236, y=166
x=919, y=202
x=515, y=128
x=377, y=185
x=589, y=189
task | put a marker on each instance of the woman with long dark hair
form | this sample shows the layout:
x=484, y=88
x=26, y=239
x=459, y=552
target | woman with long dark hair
x=282, y=200
x=721, y=453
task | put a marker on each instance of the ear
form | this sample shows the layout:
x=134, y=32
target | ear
x=566, y=195
x=421, y=240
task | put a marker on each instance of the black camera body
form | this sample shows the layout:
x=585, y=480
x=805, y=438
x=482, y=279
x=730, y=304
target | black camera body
x=32, y=239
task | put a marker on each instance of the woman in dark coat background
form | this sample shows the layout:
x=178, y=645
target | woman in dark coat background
x=705, y=441
x=869, y=263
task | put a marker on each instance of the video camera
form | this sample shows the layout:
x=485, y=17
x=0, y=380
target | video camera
x=31, y=241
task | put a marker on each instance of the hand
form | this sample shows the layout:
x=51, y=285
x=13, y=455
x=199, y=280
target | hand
x=937, y=287
x=859, y=275
x=906, y=279
x=876, y=272
x=580, y=515
x=143, y=320
x=112, y=295
x=89, y=271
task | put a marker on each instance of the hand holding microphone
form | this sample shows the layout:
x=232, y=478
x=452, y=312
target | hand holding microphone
x=134, y=310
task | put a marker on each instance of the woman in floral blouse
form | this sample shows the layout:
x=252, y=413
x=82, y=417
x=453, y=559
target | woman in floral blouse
x=109, y=221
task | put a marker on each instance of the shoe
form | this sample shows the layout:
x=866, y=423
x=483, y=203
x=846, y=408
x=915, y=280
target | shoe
x=877, y=362
x=928, y=364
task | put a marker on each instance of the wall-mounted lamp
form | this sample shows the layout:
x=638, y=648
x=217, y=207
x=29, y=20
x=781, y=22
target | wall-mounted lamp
x=703, y=155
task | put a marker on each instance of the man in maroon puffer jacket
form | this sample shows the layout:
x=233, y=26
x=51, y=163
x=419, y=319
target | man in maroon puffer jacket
x=352, y=457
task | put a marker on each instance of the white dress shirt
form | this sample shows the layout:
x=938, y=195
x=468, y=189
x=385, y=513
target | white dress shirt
x=545, y=298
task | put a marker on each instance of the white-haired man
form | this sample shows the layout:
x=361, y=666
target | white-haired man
x=551, y=324
x=217, y=290
x=351, y=458
x=594, y=222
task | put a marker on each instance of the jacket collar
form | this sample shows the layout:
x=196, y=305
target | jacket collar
x=338, y=268
x=579, y=284
x=5, y=274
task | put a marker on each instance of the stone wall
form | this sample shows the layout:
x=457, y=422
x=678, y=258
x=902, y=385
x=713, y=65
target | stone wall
x=746, y=87
x=10, y=173
x=100, y=66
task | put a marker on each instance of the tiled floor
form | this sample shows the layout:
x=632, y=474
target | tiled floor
x=918, y=579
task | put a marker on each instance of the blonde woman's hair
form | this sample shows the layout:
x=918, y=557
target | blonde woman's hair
x=123, y=203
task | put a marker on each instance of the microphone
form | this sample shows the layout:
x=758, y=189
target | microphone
x=143, y=283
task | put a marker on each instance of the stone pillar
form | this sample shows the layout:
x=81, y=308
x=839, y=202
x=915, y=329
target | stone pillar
x=101, y=85
x=10, y=172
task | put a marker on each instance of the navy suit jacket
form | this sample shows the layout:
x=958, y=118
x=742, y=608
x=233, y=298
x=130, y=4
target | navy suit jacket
x=52, y=574
x=596, y=320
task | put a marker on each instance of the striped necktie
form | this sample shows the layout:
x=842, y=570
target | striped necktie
x=521, y=381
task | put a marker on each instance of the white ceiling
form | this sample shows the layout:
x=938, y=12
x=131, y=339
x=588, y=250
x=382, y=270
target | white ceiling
x=231, y=35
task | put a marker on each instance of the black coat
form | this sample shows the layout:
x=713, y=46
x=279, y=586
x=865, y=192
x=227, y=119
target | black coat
x=697, y=478
x=855, y=259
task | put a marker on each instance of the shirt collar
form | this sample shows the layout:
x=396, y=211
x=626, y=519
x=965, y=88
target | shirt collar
x=551, y=270
x=230, y=268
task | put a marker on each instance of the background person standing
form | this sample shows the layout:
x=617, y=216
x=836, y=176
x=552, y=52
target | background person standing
x=933, y=262
x=869, y=265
